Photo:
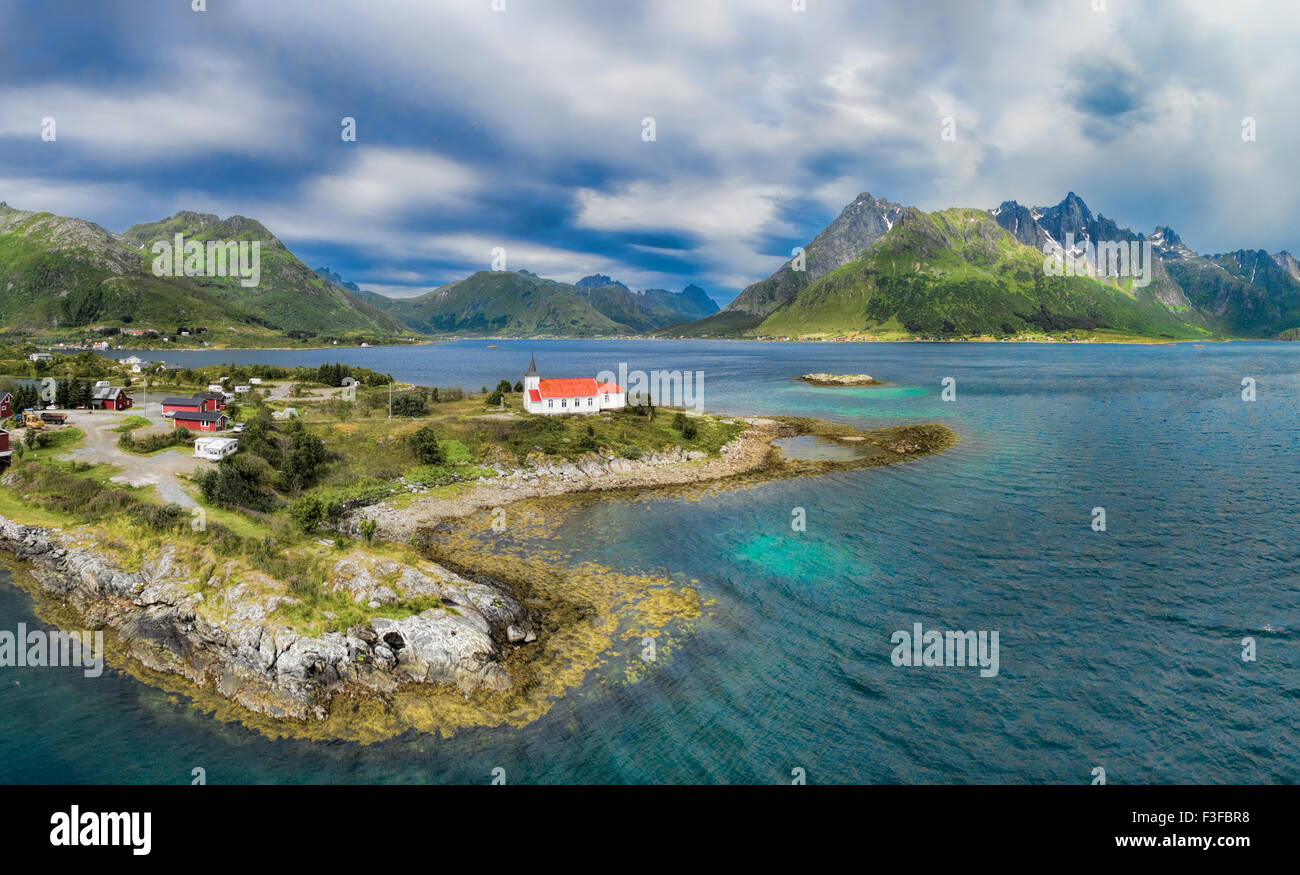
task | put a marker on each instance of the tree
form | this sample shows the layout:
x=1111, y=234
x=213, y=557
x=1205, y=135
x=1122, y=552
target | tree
x=82, y=393
x=426, y=448
x=411, y=405
x=304, y=459
x=519, y=385
x=368, y=530
x=63, y=394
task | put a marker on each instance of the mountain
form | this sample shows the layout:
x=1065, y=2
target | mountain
x=960, y=272
x=289, y=296
x=524, y=304
x=897, y=271
x=60, y=273
x=860, y=224
x=497, y=302
x=330, y=276
x=1251, y=293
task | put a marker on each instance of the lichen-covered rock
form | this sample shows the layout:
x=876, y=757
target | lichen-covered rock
x=234, y=642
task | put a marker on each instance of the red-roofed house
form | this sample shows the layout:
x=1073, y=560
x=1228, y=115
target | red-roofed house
x=569, y=395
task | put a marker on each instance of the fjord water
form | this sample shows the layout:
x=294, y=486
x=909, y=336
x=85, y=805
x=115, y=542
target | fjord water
x=1120, y=649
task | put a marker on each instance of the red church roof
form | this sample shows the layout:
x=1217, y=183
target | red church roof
x=612, y=388
x=567, y=388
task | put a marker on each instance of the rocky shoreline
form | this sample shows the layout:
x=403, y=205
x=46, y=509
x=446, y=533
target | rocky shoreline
x=238, y=649
x=750, y=451
x=491, y=647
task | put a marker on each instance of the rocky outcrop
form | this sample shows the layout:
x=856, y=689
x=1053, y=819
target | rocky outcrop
x=840, y=380
x=224, y=634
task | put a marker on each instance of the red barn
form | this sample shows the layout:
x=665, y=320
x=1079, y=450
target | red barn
x=183, y=405
x=204, y=421
x=111, y=398
x=6, y=405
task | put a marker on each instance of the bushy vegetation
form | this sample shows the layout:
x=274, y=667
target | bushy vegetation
x=152, y=443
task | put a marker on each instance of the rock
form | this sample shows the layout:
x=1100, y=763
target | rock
x=234, y=642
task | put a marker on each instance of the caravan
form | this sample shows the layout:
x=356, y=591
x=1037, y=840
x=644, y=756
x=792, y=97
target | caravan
x=215, y=449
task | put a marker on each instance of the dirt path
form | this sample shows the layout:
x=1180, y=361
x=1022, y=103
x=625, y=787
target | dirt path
x=159, y=470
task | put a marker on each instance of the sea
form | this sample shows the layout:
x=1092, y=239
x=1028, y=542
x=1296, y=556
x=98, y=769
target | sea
x=1157, y=640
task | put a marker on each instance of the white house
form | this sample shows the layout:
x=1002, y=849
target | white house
x=40, y=357
x=214, y=449
x=569, y=395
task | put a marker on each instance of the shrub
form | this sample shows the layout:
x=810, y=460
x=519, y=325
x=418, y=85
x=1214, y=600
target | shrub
x=307, y=512
x=409, y=405
x=426, y=448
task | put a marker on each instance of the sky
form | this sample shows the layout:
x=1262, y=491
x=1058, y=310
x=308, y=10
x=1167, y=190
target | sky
x=525, y=128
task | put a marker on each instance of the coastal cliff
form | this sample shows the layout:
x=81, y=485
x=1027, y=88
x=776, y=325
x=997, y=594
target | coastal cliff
x=232, y=643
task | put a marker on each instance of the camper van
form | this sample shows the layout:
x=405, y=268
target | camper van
x=214, y=449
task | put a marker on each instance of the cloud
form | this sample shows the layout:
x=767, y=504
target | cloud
x=523, y=128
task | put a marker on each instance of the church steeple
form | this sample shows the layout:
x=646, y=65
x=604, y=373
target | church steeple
x=532, y=367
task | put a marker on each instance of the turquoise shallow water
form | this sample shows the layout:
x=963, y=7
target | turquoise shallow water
x=1118, y=648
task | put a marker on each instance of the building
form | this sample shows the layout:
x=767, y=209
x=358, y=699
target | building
x=111, y=398
x=5, y=452
x=212, y=400
x=569, y=395
x=172, y=406
x=205, y=421
x=214, y=449
x=40, y=357
x=6, y=405
x=201, y=402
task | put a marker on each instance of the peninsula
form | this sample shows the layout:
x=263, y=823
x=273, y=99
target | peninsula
x=344, y=575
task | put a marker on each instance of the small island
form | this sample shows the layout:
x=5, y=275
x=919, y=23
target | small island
x=841, y=380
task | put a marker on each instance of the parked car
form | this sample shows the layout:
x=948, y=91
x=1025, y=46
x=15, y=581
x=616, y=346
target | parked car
x=239, y=428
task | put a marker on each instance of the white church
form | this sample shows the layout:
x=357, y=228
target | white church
x=569, y=395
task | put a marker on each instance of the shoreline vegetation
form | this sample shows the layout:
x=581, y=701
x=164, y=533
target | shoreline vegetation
x=355, y=577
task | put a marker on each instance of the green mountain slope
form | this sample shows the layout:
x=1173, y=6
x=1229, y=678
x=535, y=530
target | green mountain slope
x=290, y=296
x=959, y=273
x=505, y=303
x=522, y=304
x=59, y=273
x=861, y=223
x=1252, y=293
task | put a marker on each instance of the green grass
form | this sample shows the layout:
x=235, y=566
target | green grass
x=131, y=423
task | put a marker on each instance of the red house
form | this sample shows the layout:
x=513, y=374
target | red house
x=203, y=421
x=212, y=401
x=6, y=405
x=183, y=405
x=111, y=398
x=5, y=452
